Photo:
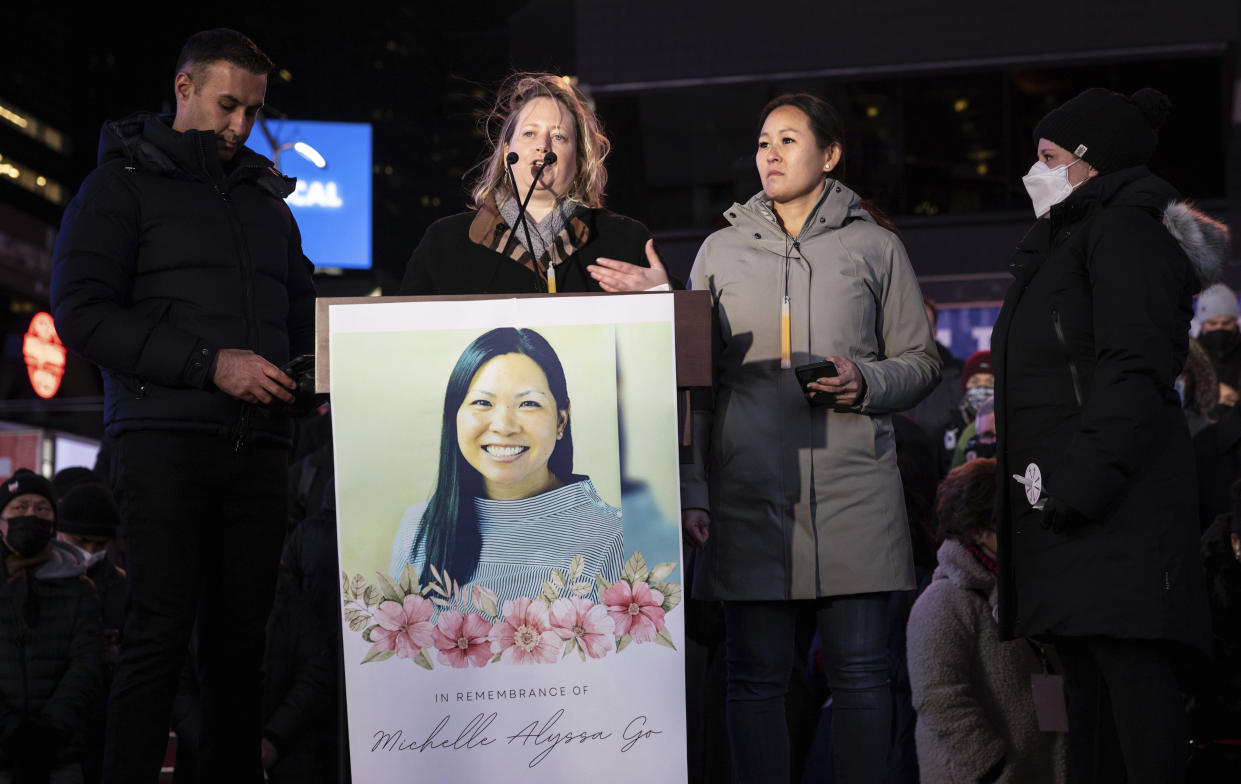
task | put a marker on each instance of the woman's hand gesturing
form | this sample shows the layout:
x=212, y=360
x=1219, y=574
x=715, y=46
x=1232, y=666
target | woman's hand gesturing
x=615, y=275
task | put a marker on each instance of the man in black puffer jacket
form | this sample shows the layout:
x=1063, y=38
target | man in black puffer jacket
x=179, y=271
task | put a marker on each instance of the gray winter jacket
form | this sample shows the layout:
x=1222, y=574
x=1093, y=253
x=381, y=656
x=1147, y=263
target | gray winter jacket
x=972, y=691
x=805, y=502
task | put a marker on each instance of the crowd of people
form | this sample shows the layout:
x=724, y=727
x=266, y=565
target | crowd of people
x=1022, y=566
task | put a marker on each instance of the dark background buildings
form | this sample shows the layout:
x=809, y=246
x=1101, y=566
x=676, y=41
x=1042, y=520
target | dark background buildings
x=939, y=98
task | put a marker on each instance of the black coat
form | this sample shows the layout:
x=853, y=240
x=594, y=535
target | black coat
x=1092, y=335
x=1217, y=455
x=448, y=261
x=162, y=260
x=303, y=648
x=50, y=642
x=1216, y=708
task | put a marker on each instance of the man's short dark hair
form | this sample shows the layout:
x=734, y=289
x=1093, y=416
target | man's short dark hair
x=222, y=44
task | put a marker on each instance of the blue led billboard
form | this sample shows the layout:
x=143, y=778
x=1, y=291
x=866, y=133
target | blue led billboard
x=332, y=202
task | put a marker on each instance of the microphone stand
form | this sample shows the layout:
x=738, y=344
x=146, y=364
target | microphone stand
x=548, y=159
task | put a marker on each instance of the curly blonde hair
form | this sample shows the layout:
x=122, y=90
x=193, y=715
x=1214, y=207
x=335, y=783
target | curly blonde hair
x=592, y=146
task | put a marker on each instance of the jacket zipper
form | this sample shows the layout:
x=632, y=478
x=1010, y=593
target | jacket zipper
x=1077, y=384
x=241, y=429
x=244, y=261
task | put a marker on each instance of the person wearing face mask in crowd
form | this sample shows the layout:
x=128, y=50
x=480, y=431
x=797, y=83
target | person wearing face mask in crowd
x=982, y=442
x=565, y=241
x=979, y=383
x=797, y=507
x=1216, y=309
x=49, y=639
x=87, y=520
x=1197, y=388
x=1095, y=509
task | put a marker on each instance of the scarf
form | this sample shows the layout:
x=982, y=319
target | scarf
x=17, y=566
x=987, y=561
x=543, y=233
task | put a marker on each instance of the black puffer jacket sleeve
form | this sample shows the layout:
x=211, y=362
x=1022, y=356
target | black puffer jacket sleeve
x=92, y=275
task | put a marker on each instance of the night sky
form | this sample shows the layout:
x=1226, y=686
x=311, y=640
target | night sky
x=418, y=72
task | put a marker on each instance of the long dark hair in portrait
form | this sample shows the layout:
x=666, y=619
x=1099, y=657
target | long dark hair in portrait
x=449, y=531
x=828, y=129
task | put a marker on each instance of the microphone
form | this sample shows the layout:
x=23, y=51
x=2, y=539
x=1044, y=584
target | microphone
x=548, y=159
x=511, y=159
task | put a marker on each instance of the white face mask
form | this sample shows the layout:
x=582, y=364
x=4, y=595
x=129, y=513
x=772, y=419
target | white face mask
x=1047, y=186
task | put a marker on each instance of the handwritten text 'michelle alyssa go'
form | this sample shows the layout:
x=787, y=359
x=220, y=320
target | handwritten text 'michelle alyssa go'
x=542, y=735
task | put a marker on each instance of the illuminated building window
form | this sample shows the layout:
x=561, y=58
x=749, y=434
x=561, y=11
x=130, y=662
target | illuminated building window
x=34, y=128
x=27, y=179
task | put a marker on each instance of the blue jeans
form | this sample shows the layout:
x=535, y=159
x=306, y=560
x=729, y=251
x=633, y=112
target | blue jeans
x=760, y=656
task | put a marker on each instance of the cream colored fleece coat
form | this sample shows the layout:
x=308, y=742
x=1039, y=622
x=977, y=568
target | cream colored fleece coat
x=971, y=690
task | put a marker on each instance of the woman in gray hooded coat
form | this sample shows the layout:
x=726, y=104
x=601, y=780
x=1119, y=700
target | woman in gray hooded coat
x=796, y=506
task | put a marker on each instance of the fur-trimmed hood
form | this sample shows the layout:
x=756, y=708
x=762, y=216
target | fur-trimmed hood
x=1204, y=239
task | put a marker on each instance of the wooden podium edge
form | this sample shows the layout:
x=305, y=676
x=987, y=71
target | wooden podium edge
x=691, y=327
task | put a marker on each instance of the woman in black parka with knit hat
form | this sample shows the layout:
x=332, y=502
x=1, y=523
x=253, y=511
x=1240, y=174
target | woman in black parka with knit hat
x=1098, y=539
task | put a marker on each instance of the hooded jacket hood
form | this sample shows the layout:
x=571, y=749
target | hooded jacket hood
x=1204, y=240
x=837, y=205
x=65, y=562
x=148, y=141
x=958, y=565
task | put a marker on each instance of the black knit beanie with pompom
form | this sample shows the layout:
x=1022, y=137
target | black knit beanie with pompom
x=1106, y=129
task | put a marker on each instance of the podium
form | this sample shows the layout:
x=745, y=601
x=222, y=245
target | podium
x=558, y=653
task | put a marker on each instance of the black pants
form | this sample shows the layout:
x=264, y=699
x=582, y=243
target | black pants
x=202, y=528
x=1126, y=712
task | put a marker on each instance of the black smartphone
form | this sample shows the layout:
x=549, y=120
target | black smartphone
x=298, y=366
x=813, y=372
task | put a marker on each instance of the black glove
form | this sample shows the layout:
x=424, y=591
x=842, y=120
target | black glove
x=1060, y=518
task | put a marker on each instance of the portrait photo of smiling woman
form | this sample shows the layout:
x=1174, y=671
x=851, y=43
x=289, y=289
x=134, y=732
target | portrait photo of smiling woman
x=507, y=506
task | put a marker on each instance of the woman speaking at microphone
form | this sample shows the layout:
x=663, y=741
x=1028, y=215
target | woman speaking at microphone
x=538, y=222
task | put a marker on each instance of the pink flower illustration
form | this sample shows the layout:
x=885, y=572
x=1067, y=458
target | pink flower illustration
x=587, y=622
x=635, y=611
x=405, y=628
x=524, y=636
x=462, y=640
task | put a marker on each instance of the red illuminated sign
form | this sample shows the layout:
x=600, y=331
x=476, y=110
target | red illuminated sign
x=44, y=354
